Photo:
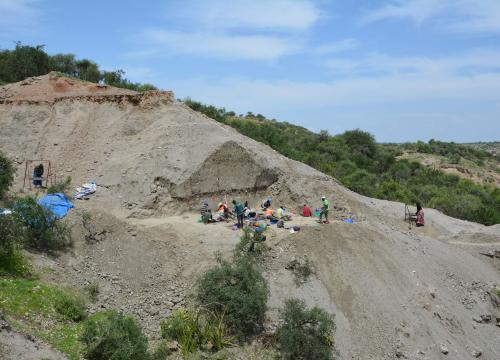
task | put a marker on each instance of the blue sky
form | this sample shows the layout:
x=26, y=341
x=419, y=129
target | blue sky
x=402, y=69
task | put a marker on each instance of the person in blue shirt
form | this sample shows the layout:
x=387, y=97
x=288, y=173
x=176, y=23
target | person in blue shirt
x=239, y=210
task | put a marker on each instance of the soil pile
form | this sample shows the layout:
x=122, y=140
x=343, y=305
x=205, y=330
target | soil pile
x=397, y=292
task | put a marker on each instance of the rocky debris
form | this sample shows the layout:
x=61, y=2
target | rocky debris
x=476, y=353
x=444, y=349
x=482, y=319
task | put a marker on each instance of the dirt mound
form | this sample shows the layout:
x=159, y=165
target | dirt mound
x=397, y=292
x=53, y=86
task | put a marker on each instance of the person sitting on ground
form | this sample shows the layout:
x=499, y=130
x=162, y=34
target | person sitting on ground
x=206, y=213
x=280, y=214
x=259, y=226
x=306, y=211
x=267, y=203
x=325, y=208
x=420, y=221
x=239, y=210
x=269, y=213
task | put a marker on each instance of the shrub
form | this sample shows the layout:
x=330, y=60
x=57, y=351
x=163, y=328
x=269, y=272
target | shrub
x=92, y=290
x=251, y=245
x=301, y=270
x=43, y=232
x=6, y=174
x=305, y=333
x=113, y=336
x=70, y=306
x=194, y=329
x=60, y=187
x=237, y=290
x=161, y=352
x=12, y=261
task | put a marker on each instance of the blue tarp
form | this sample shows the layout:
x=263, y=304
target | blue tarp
x=57, y=203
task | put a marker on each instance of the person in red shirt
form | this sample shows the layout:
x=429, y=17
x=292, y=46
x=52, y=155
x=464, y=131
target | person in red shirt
x=420, y=216
x=306, y=211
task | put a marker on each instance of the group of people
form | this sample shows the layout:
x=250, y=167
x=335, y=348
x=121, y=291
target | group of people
x=242, y=211
x=323, y=211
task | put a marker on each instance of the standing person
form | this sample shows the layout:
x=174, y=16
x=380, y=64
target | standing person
x=206, y=213
x=37, y=175
x=325, y=208
x=239, y=210
x=420, y=215
x=306, y=211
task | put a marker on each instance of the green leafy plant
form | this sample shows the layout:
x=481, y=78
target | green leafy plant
x=42, y=231
x=114, y=336
x=60, y=187
x=12, y=261
x=239, y=291
x=92, y=290
x=196, y=329
x=6, y=174
x=70, y=306
x=305, y=333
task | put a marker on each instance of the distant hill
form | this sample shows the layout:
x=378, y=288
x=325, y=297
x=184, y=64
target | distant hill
x=492, y=147
x=459, y=180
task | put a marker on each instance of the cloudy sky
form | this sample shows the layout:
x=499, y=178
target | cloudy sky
x=401, y=69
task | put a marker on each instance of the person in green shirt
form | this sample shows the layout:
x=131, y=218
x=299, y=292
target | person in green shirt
x=325, y=208
x=239, y=210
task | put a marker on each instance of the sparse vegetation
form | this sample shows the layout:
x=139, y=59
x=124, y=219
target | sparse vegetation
x=302, y=270
x=251, y=245
x=6, y=174
x=43, y=231
x=113, y=336
x=305, y=333
x=60, y=187
x=195, y=329
x=92, y=290
x=91, y=233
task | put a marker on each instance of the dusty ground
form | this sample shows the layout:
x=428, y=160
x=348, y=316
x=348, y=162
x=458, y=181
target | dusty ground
x=397, y=292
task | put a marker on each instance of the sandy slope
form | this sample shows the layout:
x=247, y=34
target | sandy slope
x=396, y=292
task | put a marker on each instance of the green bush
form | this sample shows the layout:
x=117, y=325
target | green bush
x=194, y=329
x=239, y=291
x=60, y=187
x=305, y=333
x=114, y=337
x=12, y=261
x=70, y=306
x=43, y=232
x=6, y=174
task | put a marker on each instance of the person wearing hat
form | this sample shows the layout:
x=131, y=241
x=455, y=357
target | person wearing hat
x=325, y=208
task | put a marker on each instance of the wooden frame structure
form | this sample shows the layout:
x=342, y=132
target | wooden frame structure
x=49, y=176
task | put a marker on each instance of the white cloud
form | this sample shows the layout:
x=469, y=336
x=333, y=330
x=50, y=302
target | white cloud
x=469, y=16
x=287, y=15
x=262, y=30
x=431, y=81
x=376, y=64
x=220, y=45
x=417, y=10
x=337, y=46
